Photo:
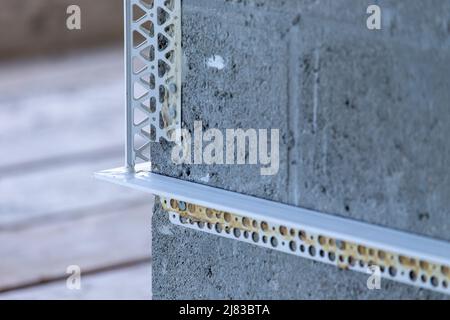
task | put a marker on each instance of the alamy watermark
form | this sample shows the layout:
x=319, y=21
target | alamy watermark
x=73, y=282
x=374, y=280
x=236, y=146
x=73, y=21
x=374, y=20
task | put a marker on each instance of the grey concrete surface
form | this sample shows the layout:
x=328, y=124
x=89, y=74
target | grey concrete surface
x=363, y=118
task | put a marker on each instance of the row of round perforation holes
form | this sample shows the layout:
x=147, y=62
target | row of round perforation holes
x=303, y=247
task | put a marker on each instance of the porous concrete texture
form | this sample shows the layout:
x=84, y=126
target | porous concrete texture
x=363, y=119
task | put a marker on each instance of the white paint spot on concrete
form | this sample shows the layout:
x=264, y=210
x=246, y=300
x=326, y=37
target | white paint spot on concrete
x=205, y=178
x=165, y=230
x=216, y=62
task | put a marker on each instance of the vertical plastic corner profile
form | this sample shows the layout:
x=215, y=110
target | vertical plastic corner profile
x=153, y=75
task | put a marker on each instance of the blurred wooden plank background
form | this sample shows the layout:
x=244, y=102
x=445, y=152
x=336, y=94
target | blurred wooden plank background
x=30, y=27
x=123, y=283
x=61, y=120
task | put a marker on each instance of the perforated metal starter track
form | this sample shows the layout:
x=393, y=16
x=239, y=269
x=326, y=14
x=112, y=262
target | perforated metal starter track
x=320, y=247
x=153, y=75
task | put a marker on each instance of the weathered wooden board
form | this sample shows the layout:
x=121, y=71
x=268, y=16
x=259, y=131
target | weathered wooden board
x=60, y=109
x=28, y=27
x=75, y=70
x=129, y=283
x=43, y=252
x=61, y=119
x=63, y=190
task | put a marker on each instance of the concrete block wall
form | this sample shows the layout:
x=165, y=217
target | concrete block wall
x=364, y=122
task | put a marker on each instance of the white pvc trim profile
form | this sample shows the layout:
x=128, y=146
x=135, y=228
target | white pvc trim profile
x=402, y=243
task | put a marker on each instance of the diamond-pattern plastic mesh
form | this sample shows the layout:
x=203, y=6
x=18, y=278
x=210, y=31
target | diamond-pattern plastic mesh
x=154, y=96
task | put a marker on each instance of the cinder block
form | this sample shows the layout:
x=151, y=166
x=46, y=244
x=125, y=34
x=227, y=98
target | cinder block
x=363, y=119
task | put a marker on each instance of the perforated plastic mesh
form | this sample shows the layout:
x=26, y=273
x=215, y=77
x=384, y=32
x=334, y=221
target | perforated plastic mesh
x=154, y=33
x=319, y=247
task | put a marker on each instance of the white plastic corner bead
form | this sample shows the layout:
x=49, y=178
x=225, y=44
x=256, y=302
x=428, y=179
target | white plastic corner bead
x=153, y=74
